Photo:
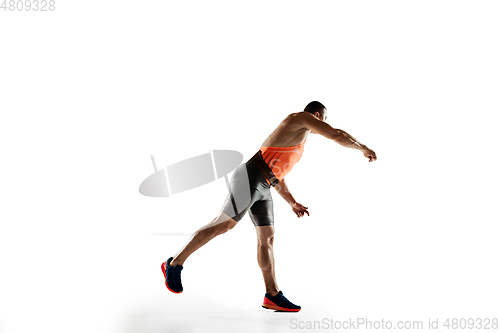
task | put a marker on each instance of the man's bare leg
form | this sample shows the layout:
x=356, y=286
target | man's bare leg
x=218, y=226
x=265, y=257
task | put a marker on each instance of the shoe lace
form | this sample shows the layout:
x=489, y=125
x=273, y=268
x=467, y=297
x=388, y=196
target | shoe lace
x=286, y=299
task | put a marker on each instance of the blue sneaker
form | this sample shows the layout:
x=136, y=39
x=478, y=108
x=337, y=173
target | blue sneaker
x=280, y=303
x=172, y=276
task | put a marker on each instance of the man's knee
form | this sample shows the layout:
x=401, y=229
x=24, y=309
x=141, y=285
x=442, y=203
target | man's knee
x=219, y=225
x=266, y=241
x=226, y=226
x=265, y=235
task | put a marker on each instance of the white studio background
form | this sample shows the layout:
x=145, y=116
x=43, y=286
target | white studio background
x=89, y=91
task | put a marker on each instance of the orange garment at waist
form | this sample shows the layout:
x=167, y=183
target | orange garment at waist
x=282, y=159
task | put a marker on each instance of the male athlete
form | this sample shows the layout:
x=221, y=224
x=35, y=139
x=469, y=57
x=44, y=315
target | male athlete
x=251, y=191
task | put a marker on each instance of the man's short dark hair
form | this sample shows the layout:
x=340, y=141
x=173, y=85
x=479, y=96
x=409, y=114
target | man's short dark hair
x=314, y=107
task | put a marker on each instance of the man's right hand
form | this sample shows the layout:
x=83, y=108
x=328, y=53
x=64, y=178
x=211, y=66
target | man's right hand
x=370, y=155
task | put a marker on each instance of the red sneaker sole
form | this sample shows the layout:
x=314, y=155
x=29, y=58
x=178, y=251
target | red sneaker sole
x=272, y=306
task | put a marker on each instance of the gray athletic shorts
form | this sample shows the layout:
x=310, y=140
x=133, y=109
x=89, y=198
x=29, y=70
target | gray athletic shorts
x=249, y=191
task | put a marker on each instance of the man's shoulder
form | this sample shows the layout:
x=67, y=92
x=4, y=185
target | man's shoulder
x=301, y=114
x=298, y=117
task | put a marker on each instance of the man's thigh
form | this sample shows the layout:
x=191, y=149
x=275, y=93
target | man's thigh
x=262, y=213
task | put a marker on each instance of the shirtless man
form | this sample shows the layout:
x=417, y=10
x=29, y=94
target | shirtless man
x=250, y=191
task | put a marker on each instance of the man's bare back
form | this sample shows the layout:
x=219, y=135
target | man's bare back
x=290, y=132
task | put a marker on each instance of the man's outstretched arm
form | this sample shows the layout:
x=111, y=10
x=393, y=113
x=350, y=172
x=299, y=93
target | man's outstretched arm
x=340, y=136
x=297, y=208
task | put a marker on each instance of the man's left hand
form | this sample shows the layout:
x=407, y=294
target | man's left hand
x=299, y=209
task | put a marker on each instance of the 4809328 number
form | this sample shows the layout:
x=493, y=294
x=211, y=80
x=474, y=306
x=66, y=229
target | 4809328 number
x=471, y=323
x=28, y=5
